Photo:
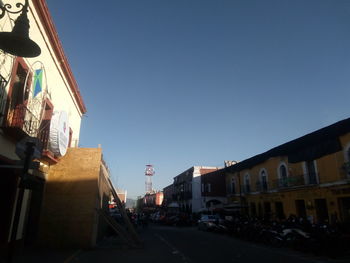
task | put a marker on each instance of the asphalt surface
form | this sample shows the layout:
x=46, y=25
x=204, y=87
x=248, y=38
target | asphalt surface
x=189, y=245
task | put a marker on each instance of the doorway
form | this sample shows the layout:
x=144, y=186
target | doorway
x=321, y=210
x=300, y=208
x=267, y=210
x=344, y=206
x=279, y=210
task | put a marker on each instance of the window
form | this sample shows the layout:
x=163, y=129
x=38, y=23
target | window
x=20, y=85
x=263, y=180
x=347, y=160
x=311, y=175
x=247, y=183
x=283, y=176
x=233, y=186
x=18, y=96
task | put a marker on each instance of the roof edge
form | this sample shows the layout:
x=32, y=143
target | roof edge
x=50, y=29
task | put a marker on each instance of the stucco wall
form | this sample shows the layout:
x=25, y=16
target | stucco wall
x=54, y=81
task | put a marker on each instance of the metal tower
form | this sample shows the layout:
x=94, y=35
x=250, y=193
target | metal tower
x=149, y=172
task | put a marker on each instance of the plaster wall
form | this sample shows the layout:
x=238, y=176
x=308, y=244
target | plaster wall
x=57, y=85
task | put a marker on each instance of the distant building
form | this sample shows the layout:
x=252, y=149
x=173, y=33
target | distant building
x=122, y=194
x=187, y=189
x=308, y=177
x=168, y=193
x=153, y=199
x=214, y=190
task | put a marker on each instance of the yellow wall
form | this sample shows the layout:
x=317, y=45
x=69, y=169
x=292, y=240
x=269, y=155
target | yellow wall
x=332, y=186
x=73, y=191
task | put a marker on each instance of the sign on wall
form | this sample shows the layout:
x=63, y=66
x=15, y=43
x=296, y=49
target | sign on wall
x=59, y=133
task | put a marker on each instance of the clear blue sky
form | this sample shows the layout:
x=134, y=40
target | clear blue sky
x=178, y=83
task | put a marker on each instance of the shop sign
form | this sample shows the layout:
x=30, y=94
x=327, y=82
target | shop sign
x=59, y=133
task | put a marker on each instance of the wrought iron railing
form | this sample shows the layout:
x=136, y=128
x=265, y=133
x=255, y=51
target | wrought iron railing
x=22, y=118
x=262, y=186
x=296, y=180
x=246, y=189
x=290, y=181
x=44, y=133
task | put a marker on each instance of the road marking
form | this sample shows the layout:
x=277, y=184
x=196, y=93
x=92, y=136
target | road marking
x=175, y=251
x=71, y=257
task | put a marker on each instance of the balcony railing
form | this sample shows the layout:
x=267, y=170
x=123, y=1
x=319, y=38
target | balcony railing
x=21, y=119
x=246, y=189
x=297, y=180
x=290, y=181
x=262, y=186
x=44, y=133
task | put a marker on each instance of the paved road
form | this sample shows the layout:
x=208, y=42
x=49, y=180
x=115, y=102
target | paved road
x=188, y=245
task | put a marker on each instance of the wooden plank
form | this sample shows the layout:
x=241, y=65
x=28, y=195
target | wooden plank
x=122, y=211
x=116, y=227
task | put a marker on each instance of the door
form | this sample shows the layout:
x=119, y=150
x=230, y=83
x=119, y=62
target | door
x=279, y=210
x=344, y=205
x=321, y=210
x=267, y=210
x=300, y=208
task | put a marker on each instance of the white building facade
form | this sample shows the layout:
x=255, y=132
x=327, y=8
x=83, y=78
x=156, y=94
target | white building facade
x=39, y=102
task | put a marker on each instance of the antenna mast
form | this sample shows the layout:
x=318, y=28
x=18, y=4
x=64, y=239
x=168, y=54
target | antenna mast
x=149, y=172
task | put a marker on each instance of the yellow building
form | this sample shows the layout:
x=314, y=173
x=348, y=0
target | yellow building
x=308, y=177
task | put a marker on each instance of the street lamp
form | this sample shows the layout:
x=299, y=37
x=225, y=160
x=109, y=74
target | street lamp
x=17, y=42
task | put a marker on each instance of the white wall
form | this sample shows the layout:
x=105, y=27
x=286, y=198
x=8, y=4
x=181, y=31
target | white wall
x=197, y=203
x=58, y=87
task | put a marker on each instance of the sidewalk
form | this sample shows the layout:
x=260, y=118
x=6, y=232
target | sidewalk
x=43, y=255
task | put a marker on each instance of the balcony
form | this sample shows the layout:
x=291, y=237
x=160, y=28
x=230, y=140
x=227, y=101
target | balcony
x=43, y=136
x=262, y=186
x=20, y=122
x=290, y=181
x=245, y=189
x=295, y=181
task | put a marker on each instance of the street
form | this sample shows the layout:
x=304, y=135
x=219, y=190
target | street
x=174, y=244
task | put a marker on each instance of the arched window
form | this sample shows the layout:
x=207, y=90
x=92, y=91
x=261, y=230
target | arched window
x=283, y=176
x=263, y=180
x=233, y=185
x=347, y=160
x=247, y=183
x=311, y=172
